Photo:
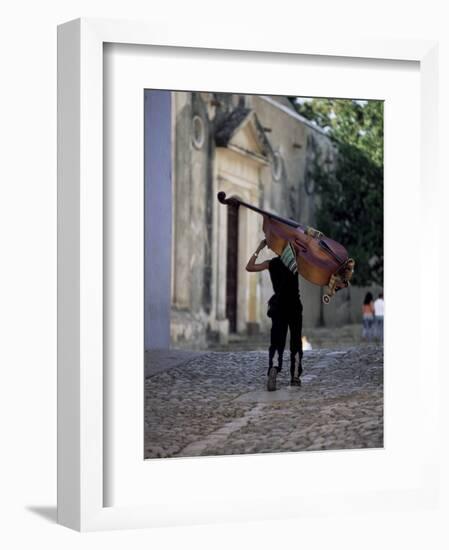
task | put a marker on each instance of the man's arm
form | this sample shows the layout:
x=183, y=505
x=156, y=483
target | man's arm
x=251, y=265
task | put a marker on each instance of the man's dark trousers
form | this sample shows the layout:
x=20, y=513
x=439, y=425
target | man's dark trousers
x=287, y=318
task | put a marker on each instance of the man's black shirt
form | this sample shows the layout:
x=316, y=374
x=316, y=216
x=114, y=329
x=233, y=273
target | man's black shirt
x=285, y=283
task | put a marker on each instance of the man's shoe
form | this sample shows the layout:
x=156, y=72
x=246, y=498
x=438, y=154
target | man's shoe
x=271, y=382
x=295, y=382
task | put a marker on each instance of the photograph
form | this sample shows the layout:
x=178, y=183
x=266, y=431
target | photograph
x=263, y=276
x=205, y=208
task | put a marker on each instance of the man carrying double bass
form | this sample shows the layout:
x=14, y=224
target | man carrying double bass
x=299, y=249
x=285, y=311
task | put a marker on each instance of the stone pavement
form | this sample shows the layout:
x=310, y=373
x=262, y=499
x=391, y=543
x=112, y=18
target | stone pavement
x=215, y=403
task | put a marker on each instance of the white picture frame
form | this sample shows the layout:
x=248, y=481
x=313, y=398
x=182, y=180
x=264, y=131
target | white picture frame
x=81, y=407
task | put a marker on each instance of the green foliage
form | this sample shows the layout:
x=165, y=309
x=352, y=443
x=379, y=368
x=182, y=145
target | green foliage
x=351, y=196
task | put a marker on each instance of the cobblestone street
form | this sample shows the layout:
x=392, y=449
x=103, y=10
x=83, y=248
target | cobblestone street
x=214, y=403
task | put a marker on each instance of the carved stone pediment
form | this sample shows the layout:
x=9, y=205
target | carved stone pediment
x=241, y=131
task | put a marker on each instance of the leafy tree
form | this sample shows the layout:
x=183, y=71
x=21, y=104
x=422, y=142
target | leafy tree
x=351, y=195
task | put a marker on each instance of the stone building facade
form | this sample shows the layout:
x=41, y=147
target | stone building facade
x=259, y=148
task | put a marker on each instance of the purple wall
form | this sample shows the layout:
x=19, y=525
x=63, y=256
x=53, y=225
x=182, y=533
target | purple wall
x=158, y=218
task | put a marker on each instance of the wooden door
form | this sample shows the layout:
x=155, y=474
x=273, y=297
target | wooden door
x=231, y=267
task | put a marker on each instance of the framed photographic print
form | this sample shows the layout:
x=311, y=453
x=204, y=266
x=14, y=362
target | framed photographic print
x=226, y=211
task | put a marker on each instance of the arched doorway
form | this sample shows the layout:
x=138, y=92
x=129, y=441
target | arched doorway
x=242, y=151
x=232, y=267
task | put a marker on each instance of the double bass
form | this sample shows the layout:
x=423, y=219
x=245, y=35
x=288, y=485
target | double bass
x=319, y=259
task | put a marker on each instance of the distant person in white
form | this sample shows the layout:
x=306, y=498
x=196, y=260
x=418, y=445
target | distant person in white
x=379, y=317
